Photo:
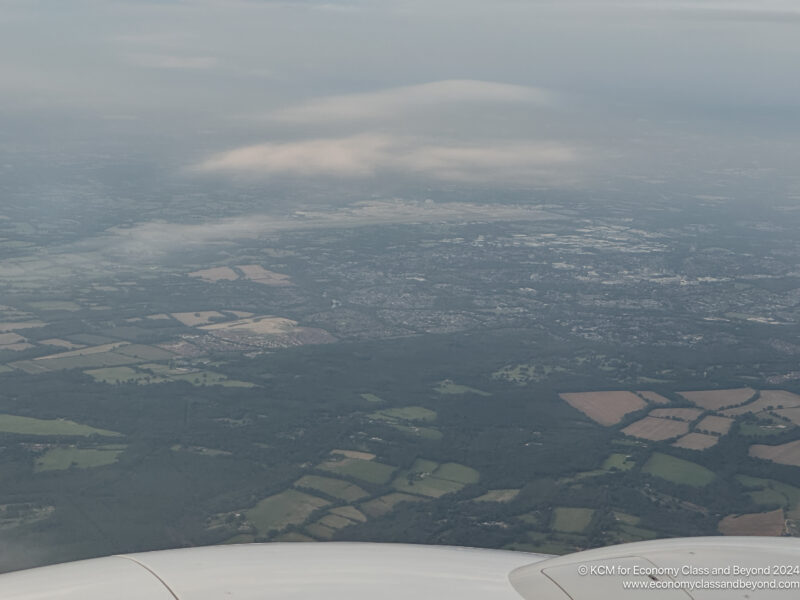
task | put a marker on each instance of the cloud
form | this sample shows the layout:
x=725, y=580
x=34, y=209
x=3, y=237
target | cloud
x=169, y=61
x=387, y=103
x=367, y=155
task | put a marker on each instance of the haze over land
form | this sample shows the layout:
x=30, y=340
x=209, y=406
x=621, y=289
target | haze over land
x=518, y=274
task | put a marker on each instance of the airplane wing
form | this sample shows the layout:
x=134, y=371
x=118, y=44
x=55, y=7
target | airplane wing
x=356, y=571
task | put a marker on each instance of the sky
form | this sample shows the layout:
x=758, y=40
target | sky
x=500, y=93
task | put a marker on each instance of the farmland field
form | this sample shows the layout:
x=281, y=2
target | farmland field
x=450, y=387
x=717, y=399
x=216, y=274
x=289, y=507
x=349, y=512
x=456, y=472
x=405, y=413
x=425, y=486
x=606, y=408
x=385, y=504
x=769, y=523
x=785, y=454
x=123, y=375
x=714, y=424
x=194, y=319
x=337, y=488
x=653, y=397
x=678, y=470
x=767, y=400
x=619, y=461
x=30, y=426
x=69, y=456
x=365, y=470
x=683, y=414
x=696, y=441
x=572, y=520
x=651, y=428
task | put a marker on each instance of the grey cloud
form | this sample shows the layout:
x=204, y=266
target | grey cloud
x=386, y=104
x=371, y=154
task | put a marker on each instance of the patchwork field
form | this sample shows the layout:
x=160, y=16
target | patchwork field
x=572, y=520
x=769, y=491
x=767, y=400
x=194, y=319
x=354, y=454
x=651, y=428
x=289, y=507
x=386, y=504
x=114, y=375
x=606, y=408
x=30, y=426
x=264, y=325
x=769, y=523
x=428, y=478
x=365, y=470
x=717, y=399
x=15, y=325
x=683, y=414
x=696, y=441
x=448, y=386
x=653, y=397
x=337, y=488
x=404, y=419
x=785, y=454
x=104, y=355
x=678, y=470
x=259, y=274
x=405, y=413
x=64, y=457
x=349, y=512
x=714, y=424
x=619, y=461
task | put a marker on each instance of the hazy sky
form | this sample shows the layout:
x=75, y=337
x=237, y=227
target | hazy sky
x=498, y=91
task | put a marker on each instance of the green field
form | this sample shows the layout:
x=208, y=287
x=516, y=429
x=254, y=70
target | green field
x=678, y=470
x=344, y=490
x=335, y=521
x=449, y=387
x=428, y=478
x=427, y=486
x=618, y=461
x=405, y=413
x=631, y=533
x=572, y=520
x=145, y=352
x=769, y=491
x=201, y=450
x=458, y=473
x=57, y=459
x=385, y=504
x=30, y=426
x=319, y=531
x=426, y=433
x=349, y=512
x=199, y=378
x=762, y=430
x=365, y=470
x=289, y=507
x=123, y=375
